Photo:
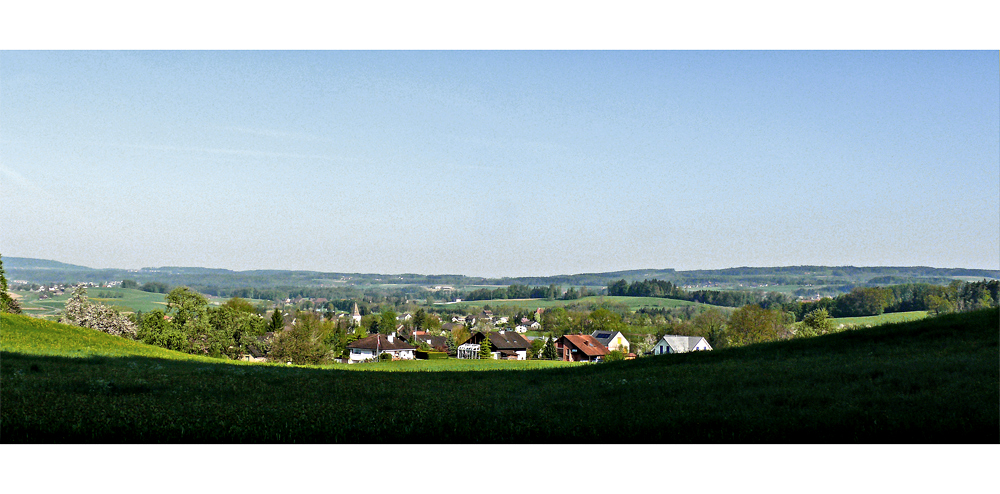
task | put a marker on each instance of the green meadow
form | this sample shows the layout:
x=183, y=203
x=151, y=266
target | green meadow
x=880, y=319
x=131, y=301
x=936, y=380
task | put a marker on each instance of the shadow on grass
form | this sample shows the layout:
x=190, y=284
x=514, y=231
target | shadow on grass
x=931, y=381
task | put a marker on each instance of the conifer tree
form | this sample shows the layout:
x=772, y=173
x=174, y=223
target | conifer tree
x=277, y=321
x=549, y=351
x=484, y=347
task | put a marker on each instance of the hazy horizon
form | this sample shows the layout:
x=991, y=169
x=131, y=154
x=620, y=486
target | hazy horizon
x=646, y=268
x=501, y=163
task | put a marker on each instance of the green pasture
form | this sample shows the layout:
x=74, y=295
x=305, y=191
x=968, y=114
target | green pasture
x=935, y=380
x=133, y=301
x=880, y=319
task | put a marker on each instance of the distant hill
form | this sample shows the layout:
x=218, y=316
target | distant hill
x=29, y=263
x=220, y=281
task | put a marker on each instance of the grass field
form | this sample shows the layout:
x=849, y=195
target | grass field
x=880, y=319
x=634, y=303
x=935, y=380
x=133, y=300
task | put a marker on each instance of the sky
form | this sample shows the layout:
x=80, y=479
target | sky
x=500, y=163
x=508, y=163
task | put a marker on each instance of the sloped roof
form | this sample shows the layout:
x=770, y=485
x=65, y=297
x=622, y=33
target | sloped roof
x=431, y=340
x=681, y=344
x=606, y=337
x=382, y=342
x=508, y=340
x=586, y=344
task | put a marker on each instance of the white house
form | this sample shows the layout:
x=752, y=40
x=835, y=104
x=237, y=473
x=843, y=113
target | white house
x=371, y=347
x=614, y=340
x=680, y=344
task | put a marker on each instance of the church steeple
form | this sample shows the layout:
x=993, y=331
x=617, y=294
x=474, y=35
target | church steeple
x=356, y=315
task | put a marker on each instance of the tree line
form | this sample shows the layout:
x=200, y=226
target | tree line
x=859, y=302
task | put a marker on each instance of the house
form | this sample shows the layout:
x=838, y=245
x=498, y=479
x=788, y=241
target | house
x=504, y=345
x=680, y=344
x=527, y=325
x=435, y=342
x=451, y=326
x=614, y=340
x=371, y=347
x=580, y=348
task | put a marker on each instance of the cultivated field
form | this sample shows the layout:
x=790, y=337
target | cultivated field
x=931, y=381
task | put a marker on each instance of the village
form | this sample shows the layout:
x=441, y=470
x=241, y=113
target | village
x=503, y=339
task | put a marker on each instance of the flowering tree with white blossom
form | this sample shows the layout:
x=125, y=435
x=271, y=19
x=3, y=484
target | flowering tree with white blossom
x=80, y=311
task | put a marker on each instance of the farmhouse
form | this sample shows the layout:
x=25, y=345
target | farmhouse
x=680, y=344
x=580, y=348
x=371, y=347
x=614, y=340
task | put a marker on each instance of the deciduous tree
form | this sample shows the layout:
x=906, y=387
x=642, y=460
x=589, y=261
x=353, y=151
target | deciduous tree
x=80, y=311
x=8, y=303
x=753, y=324
x=815, y=323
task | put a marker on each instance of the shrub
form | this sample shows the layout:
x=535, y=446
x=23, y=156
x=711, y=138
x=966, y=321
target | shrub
x=431, y=355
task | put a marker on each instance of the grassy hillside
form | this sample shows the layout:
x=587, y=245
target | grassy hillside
x=931, y=381
x=30, y=336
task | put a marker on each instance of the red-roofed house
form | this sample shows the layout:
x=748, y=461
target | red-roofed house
x=580, y=348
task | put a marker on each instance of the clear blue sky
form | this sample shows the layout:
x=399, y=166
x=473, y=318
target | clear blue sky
x=501, y=163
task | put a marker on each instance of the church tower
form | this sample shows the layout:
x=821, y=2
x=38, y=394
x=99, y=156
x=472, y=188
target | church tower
x=356, y=316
